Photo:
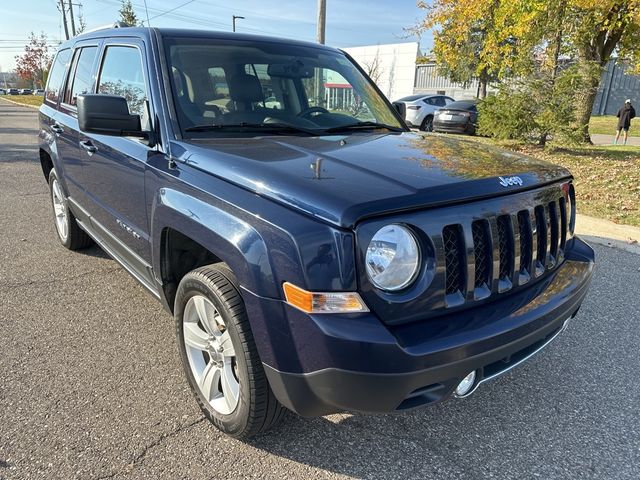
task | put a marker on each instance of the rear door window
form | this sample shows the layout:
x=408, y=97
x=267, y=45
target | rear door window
x=83, y=75
x=122, y=74
x=56, y=76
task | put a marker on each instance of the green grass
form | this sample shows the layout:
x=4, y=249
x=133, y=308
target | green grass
x=607, y=178
x=34, y=100
x=606, y=124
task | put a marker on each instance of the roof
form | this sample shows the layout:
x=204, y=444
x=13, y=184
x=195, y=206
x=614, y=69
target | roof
x=145, y=32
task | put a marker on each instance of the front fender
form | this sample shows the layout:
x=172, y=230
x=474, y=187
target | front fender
x=229, y=238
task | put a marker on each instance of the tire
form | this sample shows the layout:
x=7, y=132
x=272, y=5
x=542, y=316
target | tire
x=427, y=124
x=219, y=356
x=69, y=232
x=471, y=129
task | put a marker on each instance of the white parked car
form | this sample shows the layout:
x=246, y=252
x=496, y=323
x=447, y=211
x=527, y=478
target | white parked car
x=419, y=109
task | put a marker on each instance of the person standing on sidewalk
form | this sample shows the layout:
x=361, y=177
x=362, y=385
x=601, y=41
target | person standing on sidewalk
x=625, y=114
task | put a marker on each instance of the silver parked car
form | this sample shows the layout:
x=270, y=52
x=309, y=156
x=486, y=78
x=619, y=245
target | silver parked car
x=419, y=109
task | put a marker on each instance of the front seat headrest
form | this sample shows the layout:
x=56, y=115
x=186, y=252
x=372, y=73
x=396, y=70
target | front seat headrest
x=245, y=88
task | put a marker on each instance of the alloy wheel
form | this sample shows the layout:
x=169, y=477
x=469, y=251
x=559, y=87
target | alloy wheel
x=60, y=211
x=211, y=355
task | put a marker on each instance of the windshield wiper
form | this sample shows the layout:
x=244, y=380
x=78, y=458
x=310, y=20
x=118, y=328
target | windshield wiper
x=362, y=126
x=282, y=128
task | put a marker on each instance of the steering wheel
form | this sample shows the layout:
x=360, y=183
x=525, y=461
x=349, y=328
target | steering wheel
x=308, y=111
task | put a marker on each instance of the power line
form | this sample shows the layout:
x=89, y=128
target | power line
x=173, y=9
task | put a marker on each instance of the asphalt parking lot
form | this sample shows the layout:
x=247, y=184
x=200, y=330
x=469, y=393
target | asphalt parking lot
x=91, y=385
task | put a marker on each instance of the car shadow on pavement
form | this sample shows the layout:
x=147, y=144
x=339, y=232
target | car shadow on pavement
x=451, y=437
x=16, y=153
x=522, y=422
x=17, y=131
x=97, y=252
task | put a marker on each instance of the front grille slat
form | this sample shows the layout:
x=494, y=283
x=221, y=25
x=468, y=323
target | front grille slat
x=527, y=246
x=563, y=224
x=483, y=258
x=453, y=244
x=554, y=234
x=541, y=240
x=506, y=252
x=482, y=253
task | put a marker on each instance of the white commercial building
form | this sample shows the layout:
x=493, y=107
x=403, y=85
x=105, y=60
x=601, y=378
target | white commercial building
x=391, y=66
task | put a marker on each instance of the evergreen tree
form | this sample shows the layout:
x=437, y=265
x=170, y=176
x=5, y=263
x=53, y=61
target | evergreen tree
x=127, y=14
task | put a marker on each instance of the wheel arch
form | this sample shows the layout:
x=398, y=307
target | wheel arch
x=201, y=234
x=45, y=162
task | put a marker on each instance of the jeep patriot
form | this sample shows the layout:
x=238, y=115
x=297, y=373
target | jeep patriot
x=315, y=254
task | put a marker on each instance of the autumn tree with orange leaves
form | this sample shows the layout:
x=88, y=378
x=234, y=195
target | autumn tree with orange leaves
x=494, y=40
x=33, y=65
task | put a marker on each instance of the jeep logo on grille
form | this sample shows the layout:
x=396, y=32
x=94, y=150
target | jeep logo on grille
x=506, y=182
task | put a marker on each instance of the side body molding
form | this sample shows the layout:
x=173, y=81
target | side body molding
x=235, y=241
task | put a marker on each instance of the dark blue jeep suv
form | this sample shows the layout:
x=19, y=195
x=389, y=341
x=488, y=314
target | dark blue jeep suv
x=315, y=254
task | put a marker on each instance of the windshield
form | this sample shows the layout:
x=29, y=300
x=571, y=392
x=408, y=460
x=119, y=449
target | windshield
x=248, y=88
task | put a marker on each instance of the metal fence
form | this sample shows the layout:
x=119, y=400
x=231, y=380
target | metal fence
x=429, y=81
x=616, y=86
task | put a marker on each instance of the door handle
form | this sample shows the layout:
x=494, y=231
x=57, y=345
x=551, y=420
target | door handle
x=57, y=129
x=88, y=146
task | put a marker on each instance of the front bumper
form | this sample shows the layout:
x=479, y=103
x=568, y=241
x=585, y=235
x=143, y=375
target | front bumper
x=356, y=363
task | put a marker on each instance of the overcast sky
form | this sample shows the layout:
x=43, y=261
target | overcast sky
x=349, y=22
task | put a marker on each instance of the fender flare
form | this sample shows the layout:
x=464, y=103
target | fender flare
x=229, y=238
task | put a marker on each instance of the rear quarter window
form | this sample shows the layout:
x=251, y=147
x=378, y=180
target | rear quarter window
x=55, y=82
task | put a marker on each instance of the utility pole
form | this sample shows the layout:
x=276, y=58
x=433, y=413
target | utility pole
x=322, y=20
x=73, y=22
x=234, y=20
x=319, y=76
x=64, y=19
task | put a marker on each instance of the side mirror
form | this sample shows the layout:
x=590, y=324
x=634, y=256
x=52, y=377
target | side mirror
x=107, y=115
x=401, y=108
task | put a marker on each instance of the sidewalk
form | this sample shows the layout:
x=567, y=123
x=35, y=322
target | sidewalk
x=599, y=139
x=605, y=232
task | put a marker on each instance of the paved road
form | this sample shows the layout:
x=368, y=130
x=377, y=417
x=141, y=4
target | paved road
x=601, y=139
x=91, y=386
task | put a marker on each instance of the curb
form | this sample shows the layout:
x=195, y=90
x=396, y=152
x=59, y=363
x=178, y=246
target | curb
x=35, y=107
x=611, y=243
x=609, y=234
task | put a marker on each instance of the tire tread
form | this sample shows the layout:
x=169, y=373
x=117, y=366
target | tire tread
x=264, y=409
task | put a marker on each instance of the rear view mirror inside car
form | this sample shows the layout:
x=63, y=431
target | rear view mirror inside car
x=295, y=69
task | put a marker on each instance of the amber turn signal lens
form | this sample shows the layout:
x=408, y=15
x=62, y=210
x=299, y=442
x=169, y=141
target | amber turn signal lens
x=323, y=302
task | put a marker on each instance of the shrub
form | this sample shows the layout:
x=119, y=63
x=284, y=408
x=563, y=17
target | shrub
x=537, y=107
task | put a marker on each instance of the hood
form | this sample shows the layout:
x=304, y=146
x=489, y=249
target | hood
x=343, y=179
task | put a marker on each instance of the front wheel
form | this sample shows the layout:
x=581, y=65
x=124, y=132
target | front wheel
x=219, y=354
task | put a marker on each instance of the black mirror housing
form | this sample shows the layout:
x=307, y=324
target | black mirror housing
x=107, y=115
x=401, y=108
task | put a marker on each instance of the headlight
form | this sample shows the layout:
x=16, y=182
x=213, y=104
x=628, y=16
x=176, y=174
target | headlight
x=393, y=258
